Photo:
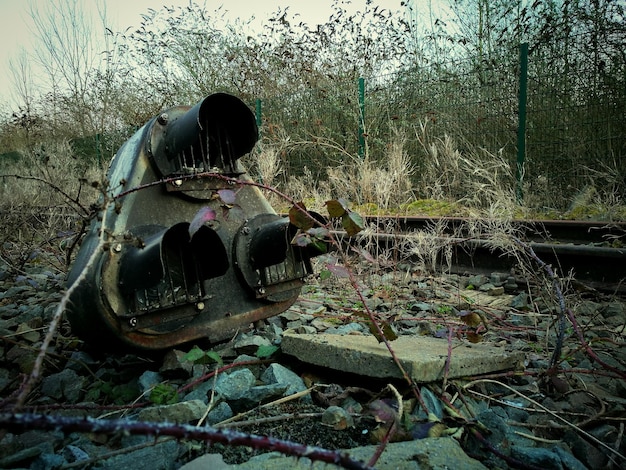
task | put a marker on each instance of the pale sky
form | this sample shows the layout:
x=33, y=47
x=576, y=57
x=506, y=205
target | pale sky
x=16, y=25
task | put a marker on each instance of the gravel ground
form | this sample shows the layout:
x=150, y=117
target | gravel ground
x=571, y=418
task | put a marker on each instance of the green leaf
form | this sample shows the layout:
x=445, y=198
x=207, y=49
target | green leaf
x=319, y=245
x=194, y=354
x=198, y=356
x=319, y=238
x=319, y=232
x=163, y=394
x=352, y=223
x=124, y=393
x=92, y=395
x=325, y=274
x=212, y=356
x=266, y=351
x=299, y=217
x=390, y=335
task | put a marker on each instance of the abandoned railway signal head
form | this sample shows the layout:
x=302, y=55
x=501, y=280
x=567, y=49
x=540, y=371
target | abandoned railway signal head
x=196, y=251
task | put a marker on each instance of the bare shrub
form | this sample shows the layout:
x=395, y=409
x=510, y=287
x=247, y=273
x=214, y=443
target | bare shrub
x=602, y=197
x=268, y=166
x=45, y=195
x=386, y=183
x=52, y=175
x=475, y=178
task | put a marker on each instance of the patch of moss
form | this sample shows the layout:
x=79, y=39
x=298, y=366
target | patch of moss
x=370, y=209
x=433, y=207
x=596, y=212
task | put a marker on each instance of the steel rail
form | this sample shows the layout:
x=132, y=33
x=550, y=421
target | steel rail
x=583, y=250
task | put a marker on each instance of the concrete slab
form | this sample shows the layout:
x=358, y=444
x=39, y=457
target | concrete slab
x=422, y=357
x=434, y=453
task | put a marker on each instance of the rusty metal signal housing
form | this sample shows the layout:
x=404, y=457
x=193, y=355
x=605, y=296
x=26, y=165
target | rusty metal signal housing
x=157, y=283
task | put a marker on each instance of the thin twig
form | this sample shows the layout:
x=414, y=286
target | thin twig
x=211, y=400
x=34, y=376
x=18, y=422
x=51, y=185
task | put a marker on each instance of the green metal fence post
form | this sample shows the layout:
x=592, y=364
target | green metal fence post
x=258, y=114
x=521, y=126
x=361, y=117
x=98, y=150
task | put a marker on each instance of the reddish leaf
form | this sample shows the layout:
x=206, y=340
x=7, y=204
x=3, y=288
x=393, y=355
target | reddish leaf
x=299, y=217
x=337, y=270
x=205, y=214
x=383, y=411
x=367, y=256
x=227, y=196
x=301, y=239
x=559, y=384
x=319, y=232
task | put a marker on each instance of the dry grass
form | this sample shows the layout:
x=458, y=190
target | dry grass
x=477, y=179
x=481, y=182
x=44, y=196
x=46, y=177
x=383, y=183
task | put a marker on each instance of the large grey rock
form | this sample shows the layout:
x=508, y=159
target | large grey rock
x=568, y=460
x=233, y=386
x=256, y=369
x=174, y=366
x=258, y=395
x=20, y=457
x=441, y=453
x=279, y=374
x=206, y=462
x=537, y=457
x=65, y=384
x=184, y=412
x=250, y=344
x=148, y=380
x=221, y=412
x=201, y=391
x=161, y=456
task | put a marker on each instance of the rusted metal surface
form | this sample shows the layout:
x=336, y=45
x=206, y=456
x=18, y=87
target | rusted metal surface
x=158, y=283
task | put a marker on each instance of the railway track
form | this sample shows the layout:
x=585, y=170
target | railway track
x=593, y=252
